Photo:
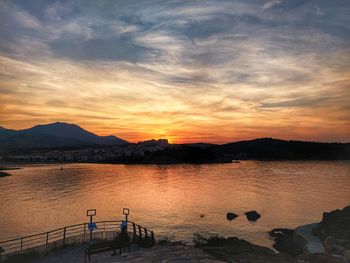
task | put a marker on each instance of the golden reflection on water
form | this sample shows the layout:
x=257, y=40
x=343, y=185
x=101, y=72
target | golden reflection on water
x=170, y=198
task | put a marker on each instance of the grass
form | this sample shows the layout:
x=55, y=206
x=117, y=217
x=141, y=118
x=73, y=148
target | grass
x=8, y=168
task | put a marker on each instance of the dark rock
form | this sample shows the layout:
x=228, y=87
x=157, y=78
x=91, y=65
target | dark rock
x=284, y=241
x=334, y=231
x=346, y=254
x=335, y=224
x=212, y=241
x=335, y=245
x=230, y=216
x=324, y=258
x=278, y=232
x=233, y=249
x=252, y=215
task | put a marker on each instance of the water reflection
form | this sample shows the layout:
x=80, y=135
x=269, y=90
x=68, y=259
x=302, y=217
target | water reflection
x=171, y=198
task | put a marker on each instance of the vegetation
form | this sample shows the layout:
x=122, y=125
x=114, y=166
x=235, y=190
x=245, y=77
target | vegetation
x=8, y=168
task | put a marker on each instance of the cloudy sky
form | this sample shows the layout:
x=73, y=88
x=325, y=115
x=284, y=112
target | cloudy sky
x=214, y=71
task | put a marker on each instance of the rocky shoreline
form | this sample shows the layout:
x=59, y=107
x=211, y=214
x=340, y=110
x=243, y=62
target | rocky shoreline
x=327, y=241
x=324, y=242
x=233, y=249
x=334, y=231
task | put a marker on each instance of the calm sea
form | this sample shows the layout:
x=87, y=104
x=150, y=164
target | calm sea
x=170, y=199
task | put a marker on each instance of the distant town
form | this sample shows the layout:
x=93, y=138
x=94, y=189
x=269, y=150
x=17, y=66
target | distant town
x=93, y=154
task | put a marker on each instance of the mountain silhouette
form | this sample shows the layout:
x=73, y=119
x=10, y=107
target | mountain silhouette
x=52, y=135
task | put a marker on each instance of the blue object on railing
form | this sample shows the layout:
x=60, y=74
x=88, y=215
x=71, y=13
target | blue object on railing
x=123, y=224
x=92, y=226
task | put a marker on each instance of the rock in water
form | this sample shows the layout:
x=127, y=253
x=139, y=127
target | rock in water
x=230, y=216
x=252, y=215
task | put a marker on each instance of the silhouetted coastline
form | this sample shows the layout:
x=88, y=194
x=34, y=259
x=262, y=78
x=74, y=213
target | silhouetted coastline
x=64, y=142
x=161, y=152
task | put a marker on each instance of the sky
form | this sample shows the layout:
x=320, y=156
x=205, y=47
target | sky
x=212, y=71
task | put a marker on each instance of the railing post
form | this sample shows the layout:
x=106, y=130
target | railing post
x=64, y=236
x=153, y=239
x=140, y=233
x=134, y=234
x=21, y=245
x=47, y=242
x=104, y=230
x=146, y=234
x=84, y=232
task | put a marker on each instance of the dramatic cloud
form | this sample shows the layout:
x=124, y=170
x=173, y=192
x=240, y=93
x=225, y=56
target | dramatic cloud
x=214, y=70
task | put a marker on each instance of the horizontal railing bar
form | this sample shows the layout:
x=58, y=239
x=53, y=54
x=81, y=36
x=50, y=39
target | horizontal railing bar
x=34, y=237
x=81, y=224
x=7, y=241
x=26, y=246
x=74, y=232
x=75, y=229
x=59, y=229
x=55, y=234
x=33, y=244
x=10, y=247
x=16, y=241
x=56, y=230
x=54, y=238
x=17, y=245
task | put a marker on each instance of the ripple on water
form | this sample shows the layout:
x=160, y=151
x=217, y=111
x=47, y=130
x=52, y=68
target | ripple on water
x=170, y=198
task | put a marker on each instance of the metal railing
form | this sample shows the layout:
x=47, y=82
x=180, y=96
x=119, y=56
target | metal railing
x=72, y=235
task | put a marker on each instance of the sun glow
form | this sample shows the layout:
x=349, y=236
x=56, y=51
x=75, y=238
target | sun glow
x=190, y=79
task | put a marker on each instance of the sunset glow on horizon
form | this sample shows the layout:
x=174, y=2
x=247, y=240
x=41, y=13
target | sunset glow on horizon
x=191, y=71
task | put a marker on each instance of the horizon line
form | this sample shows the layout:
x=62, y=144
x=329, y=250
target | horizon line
x=189, y=142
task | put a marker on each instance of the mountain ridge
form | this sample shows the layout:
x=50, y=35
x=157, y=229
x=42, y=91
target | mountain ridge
x=58, y=134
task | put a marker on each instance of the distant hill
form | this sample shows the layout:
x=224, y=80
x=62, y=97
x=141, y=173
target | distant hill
x=201, y=145
x=63, y=136
x=269, y=148
x=52, y=135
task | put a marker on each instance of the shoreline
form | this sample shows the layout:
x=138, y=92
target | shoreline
x=14, y=163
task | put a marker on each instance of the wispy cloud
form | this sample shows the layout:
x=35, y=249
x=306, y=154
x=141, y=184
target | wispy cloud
x=179, y=69
x=272, y=3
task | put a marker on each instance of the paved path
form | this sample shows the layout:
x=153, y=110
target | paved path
x=314, y=244
x=162, y=254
